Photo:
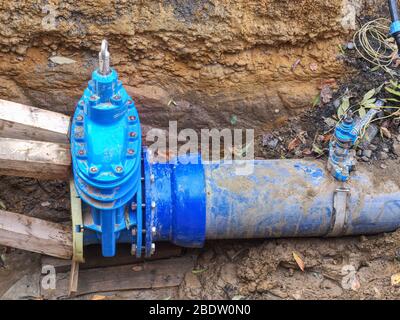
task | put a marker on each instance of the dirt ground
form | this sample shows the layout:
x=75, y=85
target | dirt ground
x=345, y=268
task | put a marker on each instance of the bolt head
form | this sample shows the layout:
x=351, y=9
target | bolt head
x=129, y=102
x=152, y=177
x=131, y=151
x=133, y=249
x=132, y=118
x=79, y=118
x=119, y=169
x=153, y=248
x=134, y=232
x=153, y=204
x=132, y=134
x=153, y=231
x=93, y=169
x=81, y=152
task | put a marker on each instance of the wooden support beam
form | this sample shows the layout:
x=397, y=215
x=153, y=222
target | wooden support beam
x=94, y=258
x=34, y=159
x=19, y=121
x=36, y=235
x=149, y=275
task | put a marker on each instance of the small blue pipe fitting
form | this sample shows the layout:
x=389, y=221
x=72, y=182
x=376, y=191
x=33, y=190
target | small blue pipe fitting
x=341, y=157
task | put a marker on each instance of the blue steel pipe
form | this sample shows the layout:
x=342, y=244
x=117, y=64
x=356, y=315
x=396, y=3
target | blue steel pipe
x=281, y=198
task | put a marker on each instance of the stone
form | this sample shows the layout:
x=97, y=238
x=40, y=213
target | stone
x=268, y=140
x=370, y=133
x=61, y=60
x=396, y=149
x=191, y=281
x=330, y=122
x=383, y=155
x=350, y=46
x=367, y=153
x=228, y=273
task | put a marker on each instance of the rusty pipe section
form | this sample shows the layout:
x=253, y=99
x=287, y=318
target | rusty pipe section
x=296, y=198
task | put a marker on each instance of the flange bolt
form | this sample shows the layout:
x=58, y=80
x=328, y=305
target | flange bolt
x=93, y=169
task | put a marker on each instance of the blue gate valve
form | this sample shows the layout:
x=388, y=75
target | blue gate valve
x=106, y=156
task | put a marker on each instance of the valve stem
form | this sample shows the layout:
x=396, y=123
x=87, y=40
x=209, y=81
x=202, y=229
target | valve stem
x=104, y=59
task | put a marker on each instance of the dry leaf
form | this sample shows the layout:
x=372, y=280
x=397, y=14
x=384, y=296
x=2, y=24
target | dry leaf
x=299, y=261
x=395, y=280
x=385, y=132
x=293, y=144
x=98, y=297
x=327, y=138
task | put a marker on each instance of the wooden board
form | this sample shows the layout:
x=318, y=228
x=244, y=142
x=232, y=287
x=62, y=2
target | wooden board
x=36, y=235
x=34, y=159
x=94, y=259
x=25, y=122
x=147, y=275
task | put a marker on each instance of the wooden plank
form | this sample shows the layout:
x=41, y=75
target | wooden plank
x=77, y=223
x=148, y=275
x=94, y=259
x=25, y=122
x=73, y=279
x=34, y=159
x=36, y=235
